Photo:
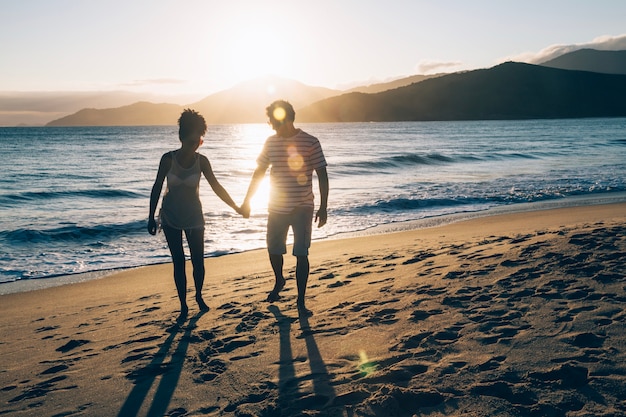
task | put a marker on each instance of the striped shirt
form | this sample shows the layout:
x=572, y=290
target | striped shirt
x=293, y=161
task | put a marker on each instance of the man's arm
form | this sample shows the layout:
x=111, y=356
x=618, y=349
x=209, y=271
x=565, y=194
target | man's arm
x=257, y=177
x=322, y=214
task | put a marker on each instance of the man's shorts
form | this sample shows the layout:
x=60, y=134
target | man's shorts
x=301, y=222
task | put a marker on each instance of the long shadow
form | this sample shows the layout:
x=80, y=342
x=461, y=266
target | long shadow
x=287, y=382
x=170, y=375
x=288, y=391
x=324, y=391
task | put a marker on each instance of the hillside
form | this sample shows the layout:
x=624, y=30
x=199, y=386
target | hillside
x=390, y=85
x=138, y=114
x=607, y=62
x=36, y=108
x=246, y=102
x=507, y=91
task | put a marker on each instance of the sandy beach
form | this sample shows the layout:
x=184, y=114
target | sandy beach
x=509, y=315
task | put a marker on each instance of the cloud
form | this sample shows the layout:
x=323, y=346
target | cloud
x=154, y=81
x=602, y=43
x=427, y=66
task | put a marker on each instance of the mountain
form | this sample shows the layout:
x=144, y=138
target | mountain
x=390, y=85
x=137, y=114
x=246, y=102
x=607, y=62
x=507, y=91
x=40, y=107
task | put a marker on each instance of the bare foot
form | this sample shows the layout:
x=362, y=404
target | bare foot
x=183, y=314
x=201, y=304
x=274, y=294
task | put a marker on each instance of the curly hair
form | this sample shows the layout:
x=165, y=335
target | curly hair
x=191, y=122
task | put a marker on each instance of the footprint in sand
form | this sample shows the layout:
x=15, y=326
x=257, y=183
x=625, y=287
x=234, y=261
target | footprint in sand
x=357, y=260
x=71, y=345
x=55, y=369
x=384, y=316
x=586, y=340
x=338, y=284
x=47, y=329
x=566, y=376
x=211, y=370
x=357, y=274
x=330, y=275
x=250, y=320
x=139, y=354
x=418, y=258
x=411, y=342
x=42, y=389
x=421, y=315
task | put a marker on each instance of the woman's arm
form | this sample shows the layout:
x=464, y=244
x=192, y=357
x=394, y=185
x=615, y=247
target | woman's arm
x=164, y=167
x=220, y=191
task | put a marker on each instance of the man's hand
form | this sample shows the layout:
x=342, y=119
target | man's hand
x=322, y=216
x=244, y=210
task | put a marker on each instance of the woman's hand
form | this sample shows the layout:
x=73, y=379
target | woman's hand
x=152, y=226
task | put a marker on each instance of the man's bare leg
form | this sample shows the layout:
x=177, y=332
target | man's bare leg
x=302, y=276
x=277, y=267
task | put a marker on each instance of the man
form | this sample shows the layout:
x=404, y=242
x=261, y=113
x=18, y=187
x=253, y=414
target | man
x=293, y=156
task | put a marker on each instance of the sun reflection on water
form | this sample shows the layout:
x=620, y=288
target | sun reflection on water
x=235, y=150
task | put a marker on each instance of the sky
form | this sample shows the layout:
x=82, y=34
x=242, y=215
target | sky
x=199, y=47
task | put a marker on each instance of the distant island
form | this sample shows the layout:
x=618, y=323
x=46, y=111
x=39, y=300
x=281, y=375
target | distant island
x=584, y=83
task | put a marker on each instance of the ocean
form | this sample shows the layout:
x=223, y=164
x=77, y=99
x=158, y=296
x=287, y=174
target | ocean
x=74, y=200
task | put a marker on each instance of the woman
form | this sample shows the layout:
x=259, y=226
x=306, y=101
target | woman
x=181, y=209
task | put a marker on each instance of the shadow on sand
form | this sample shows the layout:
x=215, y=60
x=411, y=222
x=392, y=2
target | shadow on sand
x=169, y=372
x=291, y=400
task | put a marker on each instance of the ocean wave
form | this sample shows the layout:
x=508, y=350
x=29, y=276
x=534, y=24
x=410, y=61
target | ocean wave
x=404, y=160
x=402, y=204
x=407, y=204
x=416, y=159
x=510, y=155
x=34, y=196
x=74, y=233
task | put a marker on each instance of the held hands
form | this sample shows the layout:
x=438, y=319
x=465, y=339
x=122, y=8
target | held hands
x=239, y=210
x=244, y=210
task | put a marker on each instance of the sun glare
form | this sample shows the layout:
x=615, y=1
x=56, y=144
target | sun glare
x=253, y=136
x=254, y=48
x=366, y=366
x=261, y=199
x=279, y=114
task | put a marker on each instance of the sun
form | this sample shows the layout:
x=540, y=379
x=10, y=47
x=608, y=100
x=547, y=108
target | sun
x=253, y=47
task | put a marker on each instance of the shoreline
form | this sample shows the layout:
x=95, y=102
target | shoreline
x=25, y=285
